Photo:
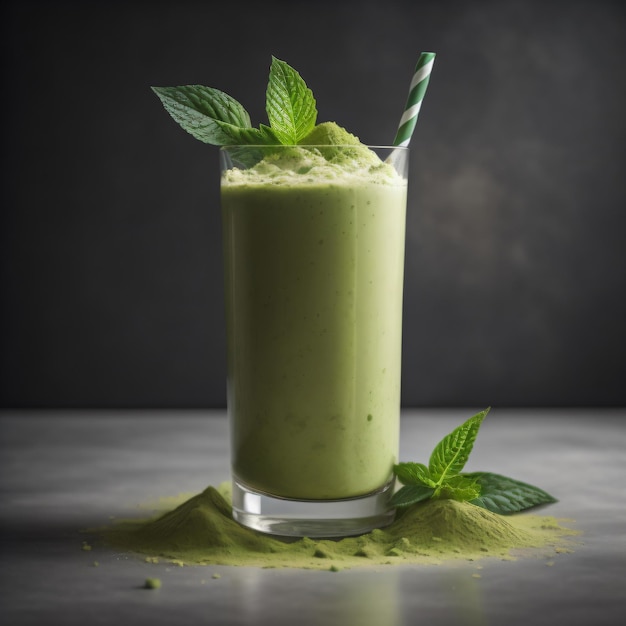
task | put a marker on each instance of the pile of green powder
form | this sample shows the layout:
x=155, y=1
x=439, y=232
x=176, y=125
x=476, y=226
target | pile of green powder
x=201, y=531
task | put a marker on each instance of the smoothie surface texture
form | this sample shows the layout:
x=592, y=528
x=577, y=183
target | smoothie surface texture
x=328, y=153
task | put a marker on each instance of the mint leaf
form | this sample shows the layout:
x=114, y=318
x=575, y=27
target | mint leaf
x=451, y=453
x=214, y=117
x=211, y=115
x=443, y=478
x=462, y=487
x=411, y=494
x=413, y=474
x=200, y=110
x=251, y=136
x=290, y=105
x=503, y=495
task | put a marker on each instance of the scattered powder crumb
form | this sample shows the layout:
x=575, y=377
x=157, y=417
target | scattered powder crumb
x=363, y=552
x=320, y=553
x=200, y=530
x=216, y=576
x=394, y=552
x=86, y=547
x=476, y=576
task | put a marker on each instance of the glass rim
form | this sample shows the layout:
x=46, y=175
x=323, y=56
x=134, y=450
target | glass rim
x=312, y=145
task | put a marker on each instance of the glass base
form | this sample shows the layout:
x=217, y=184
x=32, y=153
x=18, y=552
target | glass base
x=312, y=518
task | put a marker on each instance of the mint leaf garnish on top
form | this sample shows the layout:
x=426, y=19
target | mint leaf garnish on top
x=290, y=105
x=443, y=477
x=211, y=115
x=214, y=117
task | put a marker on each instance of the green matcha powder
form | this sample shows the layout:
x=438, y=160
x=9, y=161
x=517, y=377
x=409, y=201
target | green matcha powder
x=201, y=531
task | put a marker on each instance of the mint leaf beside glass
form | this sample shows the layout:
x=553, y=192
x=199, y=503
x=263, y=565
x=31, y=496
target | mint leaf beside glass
x=505, y=496
x=414, y=474
x=443, y=479
x=451, y=453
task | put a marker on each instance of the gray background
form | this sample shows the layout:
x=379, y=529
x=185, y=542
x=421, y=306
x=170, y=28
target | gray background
x=110, y=230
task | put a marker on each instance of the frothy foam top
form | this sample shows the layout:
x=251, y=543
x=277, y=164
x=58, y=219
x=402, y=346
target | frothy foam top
x=328, y=154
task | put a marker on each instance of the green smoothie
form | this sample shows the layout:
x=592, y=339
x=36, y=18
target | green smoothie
x=314, y=257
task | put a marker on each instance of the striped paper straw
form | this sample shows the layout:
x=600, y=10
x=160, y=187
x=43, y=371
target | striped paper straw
x=414, y=101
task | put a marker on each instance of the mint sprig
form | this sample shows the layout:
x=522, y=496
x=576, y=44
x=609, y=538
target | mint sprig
x=210, y=115
x=214, y=117
x=443, y=477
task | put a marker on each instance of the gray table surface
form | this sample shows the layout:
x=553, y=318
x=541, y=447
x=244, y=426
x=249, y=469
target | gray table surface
x=61, y=471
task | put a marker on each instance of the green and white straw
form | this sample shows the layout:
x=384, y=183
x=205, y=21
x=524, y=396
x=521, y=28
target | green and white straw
x=413, y=105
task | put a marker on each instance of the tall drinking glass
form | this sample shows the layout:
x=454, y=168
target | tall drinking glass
x=314, y=260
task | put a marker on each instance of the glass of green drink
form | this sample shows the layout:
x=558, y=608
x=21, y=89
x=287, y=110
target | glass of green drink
x=314, y=259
